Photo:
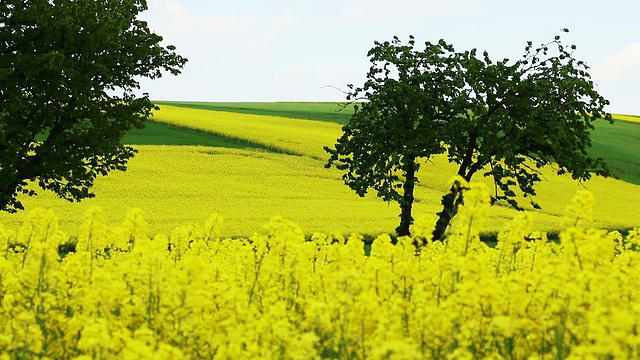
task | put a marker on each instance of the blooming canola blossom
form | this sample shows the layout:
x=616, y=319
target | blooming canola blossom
x=281, y=294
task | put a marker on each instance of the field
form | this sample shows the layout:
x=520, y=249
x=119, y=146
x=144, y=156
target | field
x=619, y=145
x=629, y=118
x=334, y=112
x=227, y=238
x=122, y=294
x=156, y=133
x=249, y=168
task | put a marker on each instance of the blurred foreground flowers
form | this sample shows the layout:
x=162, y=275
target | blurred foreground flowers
x=281, y=295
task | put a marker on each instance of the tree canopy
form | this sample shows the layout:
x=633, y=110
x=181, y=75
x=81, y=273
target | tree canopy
x=504, y=118
x=69, y=72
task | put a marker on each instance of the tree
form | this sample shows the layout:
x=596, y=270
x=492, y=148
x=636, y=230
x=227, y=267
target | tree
x=68, y=73
x=408, y=94
x=506, y=119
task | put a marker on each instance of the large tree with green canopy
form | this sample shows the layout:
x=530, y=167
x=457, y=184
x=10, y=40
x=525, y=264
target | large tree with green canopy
x=69, y=73
x=505, y=119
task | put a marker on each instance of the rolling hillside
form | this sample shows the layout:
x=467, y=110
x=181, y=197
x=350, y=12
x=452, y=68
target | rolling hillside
x=250, y=168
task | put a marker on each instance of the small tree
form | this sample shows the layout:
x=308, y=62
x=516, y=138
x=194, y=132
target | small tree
x=409, y=94
x=506, y=119
x=68, y=72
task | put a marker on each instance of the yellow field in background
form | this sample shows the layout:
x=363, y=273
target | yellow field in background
x=176, y=185
x=629, y=118
x=304, y=137
x=309, y=137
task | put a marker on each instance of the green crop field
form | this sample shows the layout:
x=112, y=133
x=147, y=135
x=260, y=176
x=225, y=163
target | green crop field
x=619, y=145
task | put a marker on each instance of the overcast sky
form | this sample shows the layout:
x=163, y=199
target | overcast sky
x=294, y=50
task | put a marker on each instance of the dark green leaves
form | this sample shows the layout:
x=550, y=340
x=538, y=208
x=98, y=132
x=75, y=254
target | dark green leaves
x=507, y=118
x=68, y=72
x=407, y=97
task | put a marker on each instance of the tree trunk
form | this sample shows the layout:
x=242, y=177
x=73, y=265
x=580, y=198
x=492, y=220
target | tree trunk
x=7, y=195
x=453, y=199
x=4, y=201
x=450, y=203
x=10, y=183
x=406, y=202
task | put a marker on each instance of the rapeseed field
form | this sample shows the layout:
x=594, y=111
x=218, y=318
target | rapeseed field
x=175, y=185
x=295, y=136
x=630, y=118
x=194, y=294
x=232, y=253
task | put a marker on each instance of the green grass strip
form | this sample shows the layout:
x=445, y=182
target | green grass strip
x=155, y=133
x=619, y=145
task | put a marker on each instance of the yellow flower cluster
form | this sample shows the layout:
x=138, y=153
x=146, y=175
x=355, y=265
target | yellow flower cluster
x=278, y=295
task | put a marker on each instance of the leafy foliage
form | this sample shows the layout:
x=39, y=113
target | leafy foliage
x=511, y=118
x=68, y=74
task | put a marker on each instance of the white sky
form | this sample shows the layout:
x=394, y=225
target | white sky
x=290, y=50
